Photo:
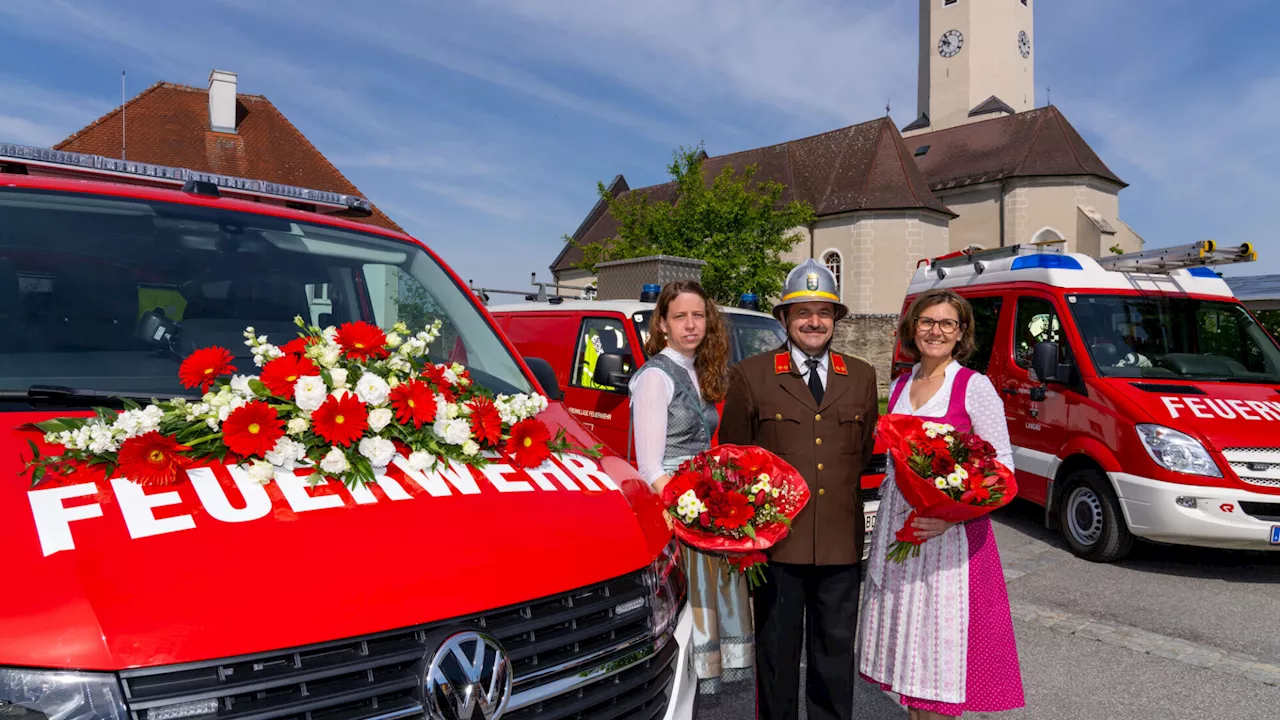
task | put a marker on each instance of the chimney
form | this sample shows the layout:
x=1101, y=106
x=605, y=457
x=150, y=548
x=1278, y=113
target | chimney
x=222, y=101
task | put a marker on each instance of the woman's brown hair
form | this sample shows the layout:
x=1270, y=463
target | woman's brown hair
x=712, y=359
x=907, y=327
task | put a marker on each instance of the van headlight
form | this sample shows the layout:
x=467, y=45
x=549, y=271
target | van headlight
x=52, y=695
x=668, y=588
x=1177, y=451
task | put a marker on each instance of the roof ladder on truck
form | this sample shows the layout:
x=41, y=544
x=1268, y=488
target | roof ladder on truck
x=1163, y=260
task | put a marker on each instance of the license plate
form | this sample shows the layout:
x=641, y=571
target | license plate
x=1275, y=534
x=869, y=523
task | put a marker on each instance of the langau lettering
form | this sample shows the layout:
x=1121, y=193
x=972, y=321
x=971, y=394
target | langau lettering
x=138, y=508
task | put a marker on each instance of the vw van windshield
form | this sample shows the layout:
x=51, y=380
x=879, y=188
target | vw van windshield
x=78, y=272
x=1154, y=336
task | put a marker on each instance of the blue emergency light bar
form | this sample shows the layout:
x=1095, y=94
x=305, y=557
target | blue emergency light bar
x=749, y=301
x=1046, y=262
x=649, y=293
x=62, y=159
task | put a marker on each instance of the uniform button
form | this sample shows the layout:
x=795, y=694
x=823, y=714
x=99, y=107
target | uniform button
x=822, y=491
x=819, y=466
x=778, y=416
x=818, y=441
x=817, y=418
x=857, y=417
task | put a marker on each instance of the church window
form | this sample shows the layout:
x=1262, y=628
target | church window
x=831, y=259
x=948, y=3
x=922, y=150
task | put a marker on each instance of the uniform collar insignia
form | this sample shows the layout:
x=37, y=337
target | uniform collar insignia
x=837, y=365
x=782, y=363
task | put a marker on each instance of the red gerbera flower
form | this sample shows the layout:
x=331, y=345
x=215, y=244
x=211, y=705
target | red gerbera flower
x=486, y=422
x=528, y=444
x=730, y=510
x=414, y=403
x=435, y=374
x=281, y=374
x=362, y=341
x=153, y=459
x=340, y=421
x=204, y=366
x=252, y=429
x=298, y=345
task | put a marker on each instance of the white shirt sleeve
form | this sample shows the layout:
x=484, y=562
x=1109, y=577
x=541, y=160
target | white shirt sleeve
x=651, y=393
x=986, y=413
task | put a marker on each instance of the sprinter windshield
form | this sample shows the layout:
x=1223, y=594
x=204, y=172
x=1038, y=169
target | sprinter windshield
x=1153, y=336
x=79, y=275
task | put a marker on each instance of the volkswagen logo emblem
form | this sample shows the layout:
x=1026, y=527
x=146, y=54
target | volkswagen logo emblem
x=469, y=673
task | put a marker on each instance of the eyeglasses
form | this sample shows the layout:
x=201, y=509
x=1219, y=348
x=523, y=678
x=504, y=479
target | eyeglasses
x=947, y=325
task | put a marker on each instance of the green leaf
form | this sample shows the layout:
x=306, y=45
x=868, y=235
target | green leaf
x=749, y=531
x=258, y=388
x=130, y=404
x=35, y=451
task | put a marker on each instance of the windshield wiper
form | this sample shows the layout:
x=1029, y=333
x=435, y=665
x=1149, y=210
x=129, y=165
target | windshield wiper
x=81, y=397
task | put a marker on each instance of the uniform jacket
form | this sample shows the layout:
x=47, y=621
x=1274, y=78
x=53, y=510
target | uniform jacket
x=829, y=443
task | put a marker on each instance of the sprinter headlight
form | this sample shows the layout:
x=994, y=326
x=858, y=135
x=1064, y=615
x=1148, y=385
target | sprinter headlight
x=1177, y=451
x=51, y=695
x=668, y=588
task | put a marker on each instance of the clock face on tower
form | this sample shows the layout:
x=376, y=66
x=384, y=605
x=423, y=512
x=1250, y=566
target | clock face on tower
x=1024, y=43
x=950, y=43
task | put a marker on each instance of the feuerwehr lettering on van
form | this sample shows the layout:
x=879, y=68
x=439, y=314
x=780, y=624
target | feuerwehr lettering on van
x=1209, y=408
x=54, y=518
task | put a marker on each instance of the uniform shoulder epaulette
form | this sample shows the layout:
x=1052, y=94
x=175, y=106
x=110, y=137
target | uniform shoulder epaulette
x=837, y=364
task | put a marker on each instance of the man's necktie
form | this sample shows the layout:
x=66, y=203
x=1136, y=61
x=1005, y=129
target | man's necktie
x=815, y=382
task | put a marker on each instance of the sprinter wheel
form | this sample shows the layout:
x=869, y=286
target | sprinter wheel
x=1091, y=519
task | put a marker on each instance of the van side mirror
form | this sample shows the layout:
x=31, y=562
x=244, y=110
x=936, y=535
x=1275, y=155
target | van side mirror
x=546, y=377
x=610, y=371
x=1044, y=362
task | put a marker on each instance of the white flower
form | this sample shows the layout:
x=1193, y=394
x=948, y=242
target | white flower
x=102, y=439
x=399, y=364
x=413, y=347
x=287, y=453
x=418, y=461
x=940, y=483
x=933, y=429
x=394, y=340
x=450, y=376
x=132, y=423
x=240, y=383
x=954, y=480
x=264, y=353
x=330, y=333
x=689, y=507
x=379, y=450
x=372, y=389
x=339, y=377
x=452, y=431
x=379, y=418
x=961, y=472
x=328, y=355
x=261, y=472
x=298, y=425
x=335, y=462
x=470, y=447
x=445, y=410
x=309, y=392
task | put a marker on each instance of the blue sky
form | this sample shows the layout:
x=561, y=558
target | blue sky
x=482, y=127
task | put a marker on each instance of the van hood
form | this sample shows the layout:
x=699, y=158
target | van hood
x=1224, y=414
x=102, y=574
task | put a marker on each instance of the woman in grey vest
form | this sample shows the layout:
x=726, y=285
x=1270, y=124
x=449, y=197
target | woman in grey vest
x=673, y=408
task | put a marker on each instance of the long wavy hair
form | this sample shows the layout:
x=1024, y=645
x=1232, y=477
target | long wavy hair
x=712, y=358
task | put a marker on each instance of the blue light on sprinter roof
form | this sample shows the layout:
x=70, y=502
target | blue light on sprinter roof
x=1203, y=272
x=1048, y=262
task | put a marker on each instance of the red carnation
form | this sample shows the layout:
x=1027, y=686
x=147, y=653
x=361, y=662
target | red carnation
x=731, y=510
x=486, y=423
x=704, y=520
x=281, y=374
x=528, y=444
x=204, y=366
x=341, y=420
x=362, y=341
x=153, y=459
x=414, y=403
x=252, y=429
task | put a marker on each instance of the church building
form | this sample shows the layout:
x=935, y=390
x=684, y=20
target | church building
x=981, y=165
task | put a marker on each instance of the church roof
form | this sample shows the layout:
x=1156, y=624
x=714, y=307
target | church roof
x=856, y=168
x=992, y=104
x=1036, y=143
x=168, y=124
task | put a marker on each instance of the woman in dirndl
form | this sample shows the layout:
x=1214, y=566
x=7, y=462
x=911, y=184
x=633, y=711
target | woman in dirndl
x=674, y=416
x=937, y=629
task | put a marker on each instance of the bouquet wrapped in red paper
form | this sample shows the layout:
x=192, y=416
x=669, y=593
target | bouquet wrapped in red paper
x=736, y=501
x=943, y=474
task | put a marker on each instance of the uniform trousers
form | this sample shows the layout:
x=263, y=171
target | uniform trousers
x=828, y=596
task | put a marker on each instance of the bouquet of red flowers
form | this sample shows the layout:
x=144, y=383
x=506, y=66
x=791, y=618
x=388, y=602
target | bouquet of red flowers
x=943, y=474
x=737, y=501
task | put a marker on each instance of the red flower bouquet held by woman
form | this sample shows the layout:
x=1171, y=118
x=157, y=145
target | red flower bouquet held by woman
x=943, y=474
x=737, y=501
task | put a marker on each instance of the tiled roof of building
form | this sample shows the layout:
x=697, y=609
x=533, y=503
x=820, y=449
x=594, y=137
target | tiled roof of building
x=1036, y=143
x=861, y=167
x=168, y=124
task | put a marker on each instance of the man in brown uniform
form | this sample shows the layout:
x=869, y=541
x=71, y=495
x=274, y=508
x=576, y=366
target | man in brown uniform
x=816, y=409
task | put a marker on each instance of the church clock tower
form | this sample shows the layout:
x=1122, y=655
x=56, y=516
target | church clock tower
x=977, y=61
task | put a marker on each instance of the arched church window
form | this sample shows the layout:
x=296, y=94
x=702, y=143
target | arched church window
x=831, y=259
x=1047, y=235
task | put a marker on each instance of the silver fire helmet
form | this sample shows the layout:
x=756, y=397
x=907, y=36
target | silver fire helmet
x=810, y=281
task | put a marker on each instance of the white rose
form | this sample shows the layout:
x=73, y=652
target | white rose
x=309, y=392
x=286, y=453
x=380, y=451
x=339, y=377
x=452, y=431
x=470, y=447
x=240, y=383
x=261, y=472
x=335, y=462
x=418, y=461
x=298, y=425
x=379, y=419
x=372, y=389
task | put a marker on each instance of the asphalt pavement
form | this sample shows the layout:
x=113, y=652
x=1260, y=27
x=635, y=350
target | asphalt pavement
x=1168, y=633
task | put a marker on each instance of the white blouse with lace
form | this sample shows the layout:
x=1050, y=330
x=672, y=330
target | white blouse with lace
x=651, y=393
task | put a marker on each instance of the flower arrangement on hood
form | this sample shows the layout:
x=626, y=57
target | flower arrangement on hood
x=344, y=401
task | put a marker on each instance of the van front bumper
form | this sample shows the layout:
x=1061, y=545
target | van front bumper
x=684, y=691
x=1218, y=519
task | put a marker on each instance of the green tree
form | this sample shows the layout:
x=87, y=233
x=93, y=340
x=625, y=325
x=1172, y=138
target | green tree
x=735, y=223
